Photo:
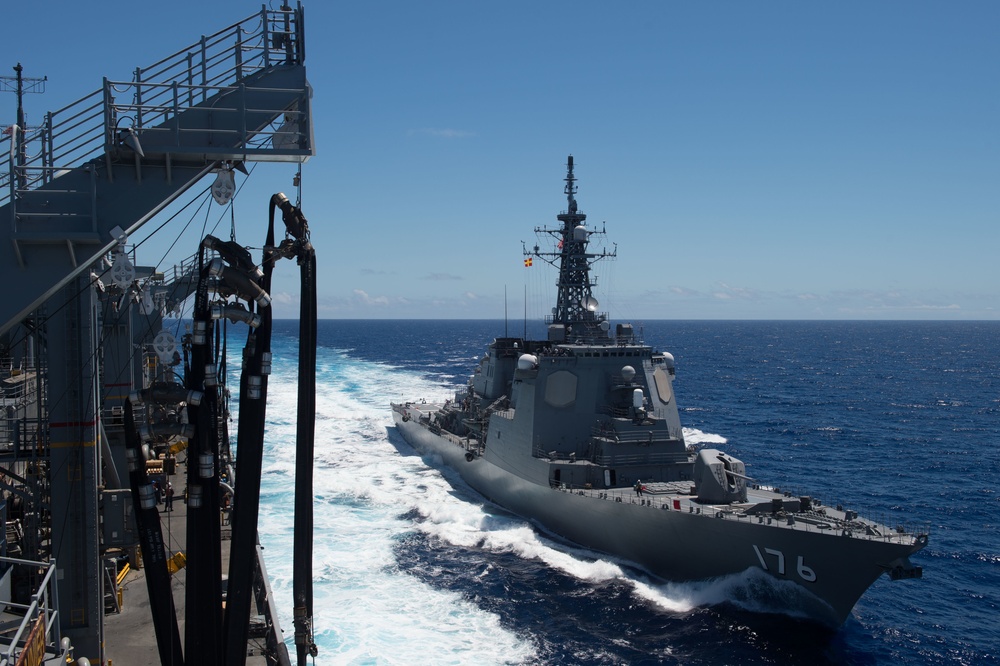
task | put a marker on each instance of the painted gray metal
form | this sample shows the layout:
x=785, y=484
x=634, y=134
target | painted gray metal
x=111, y=161
x=98, y=168
x=561, y=430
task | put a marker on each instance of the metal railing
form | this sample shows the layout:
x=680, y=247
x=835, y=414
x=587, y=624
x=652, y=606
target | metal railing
x=790, y=521
x=38, y=632
x=89, y=127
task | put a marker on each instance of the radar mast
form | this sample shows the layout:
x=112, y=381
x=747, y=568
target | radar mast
x=576, y=307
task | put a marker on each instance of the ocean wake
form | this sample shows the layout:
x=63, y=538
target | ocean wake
x=372, y=490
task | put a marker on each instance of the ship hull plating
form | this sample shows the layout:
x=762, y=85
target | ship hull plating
x=813, y=576
x=580, y=432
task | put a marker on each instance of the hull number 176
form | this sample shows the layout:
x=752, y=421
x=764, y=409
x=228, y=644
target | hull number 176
x=805, y=573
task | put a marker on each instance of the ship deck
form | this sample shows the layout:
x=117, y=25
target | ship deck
x=764, y=505
x=760, y=507
x=129, y=638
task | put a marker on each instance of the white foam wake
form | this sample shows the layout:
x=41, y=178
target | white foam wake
x=367, y=609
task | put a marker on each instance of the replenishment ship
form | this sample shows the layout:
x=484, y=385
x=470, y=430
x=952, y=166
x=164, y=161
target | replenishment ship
x=131, y=524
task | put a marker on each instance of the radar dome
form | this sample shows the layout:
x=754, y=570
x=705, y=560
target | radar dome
x=628, y=373
x=527, y=362
x=637, y=398
x=580, y=234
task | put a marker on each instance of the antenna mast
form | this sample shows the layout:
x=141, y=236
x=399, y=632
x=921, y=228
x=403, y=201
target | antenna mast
x=576, y=307
x=16, y=84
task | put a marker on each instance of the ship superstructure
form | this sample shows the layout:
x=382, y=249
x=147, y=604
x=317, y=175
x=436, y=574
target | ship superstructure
x=580, y=432
x=109, y=409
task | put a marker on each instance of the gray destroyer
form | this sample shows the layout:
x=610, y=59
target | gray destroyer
x=562, y=431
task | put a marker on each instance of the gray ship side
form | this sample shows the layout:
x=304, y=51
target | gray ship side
x=561, y=431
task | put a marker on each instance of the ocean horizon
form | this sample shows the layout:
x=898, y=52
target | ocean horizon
x=895, y=419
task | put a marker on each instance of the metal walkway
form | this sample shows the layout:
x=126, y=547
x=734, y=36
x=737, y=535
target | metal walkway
x=94, y=172
x=110, y=161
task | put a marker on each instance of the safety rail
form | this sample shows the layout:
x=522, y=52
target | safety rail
x=607, y=433
x=20, y=427
x=218, y=63
x=187, y=268
x=23, y=437
x=620, y=460
x=38, y=634
x=791, y=521
x=613, y=460
x=19, y=387
x=264, y=598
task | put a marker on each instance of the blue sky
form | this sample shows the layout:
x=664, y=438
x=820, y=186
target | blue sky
x=765, y=160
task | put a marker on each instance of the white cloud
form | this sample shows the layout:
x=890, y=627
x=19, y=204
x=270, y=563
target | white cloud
x=363, y=296
x=444, y=132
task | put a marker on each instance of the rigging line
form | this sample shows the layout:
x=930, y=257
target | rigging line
x=185, y=304
x=105, y=331
x=75, y=296
x=170, y=219
x=56, y=400
x=231, y=206
x=206, y=199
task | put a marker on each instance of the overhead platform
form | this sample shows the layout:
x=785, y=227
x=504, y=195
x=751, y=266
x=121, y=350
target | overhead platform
x=82, y=329
x=112, y=160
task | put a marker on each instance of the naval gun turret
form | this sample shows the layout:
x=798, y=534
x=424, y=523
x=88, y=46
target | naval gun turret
x=719, y=478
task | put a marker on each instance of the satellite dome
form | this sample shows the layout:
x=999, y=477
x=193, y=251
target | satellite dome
x=527, y=362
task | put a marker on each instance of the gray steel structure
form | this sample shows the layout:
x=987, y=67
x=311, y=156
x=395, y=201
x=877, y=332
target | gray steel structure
x=562, y=430
x=74, y=313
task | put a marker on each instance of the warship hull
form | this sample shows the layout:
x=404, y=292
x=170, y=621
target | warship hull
x=815, y=573
x=580, y=433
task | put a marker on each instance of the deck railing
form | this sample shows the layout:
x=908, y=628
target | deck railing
x=85, y=129
x=37, y=636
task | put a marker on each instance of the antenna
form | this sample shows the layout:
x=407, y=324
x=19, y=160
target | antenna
x=505, y=311
x=35, y=85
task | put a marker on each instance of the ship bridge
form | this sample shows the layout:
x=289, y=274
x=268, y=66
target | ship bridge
x=107, y=163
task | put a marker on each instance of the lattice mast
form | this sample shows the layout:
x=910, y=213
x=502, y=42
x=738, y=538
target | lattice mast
x=576, y=306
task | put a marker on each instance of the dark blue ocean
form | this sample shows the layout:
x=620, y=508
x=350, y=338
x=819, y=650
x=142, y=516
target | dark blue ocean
x=898, y=420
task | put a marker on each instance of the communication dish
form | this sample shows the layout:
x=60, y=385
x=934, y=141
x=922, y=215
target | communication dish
x=590, y=303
